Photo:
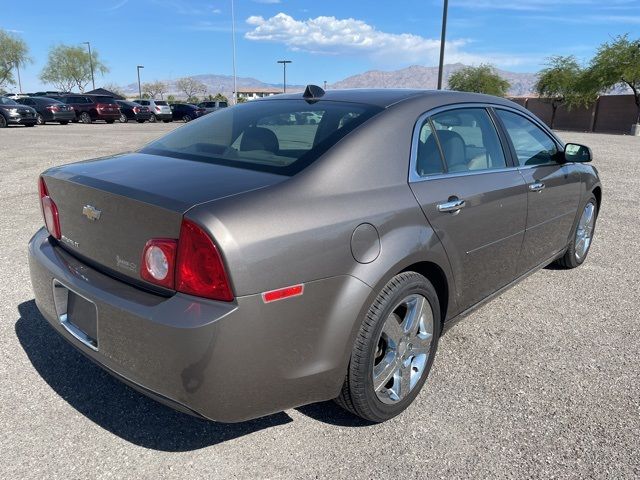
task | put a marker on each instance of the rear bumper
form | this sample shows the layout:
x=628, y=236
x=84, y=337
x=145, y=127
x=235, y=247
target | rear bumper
x=142, y=116
x=15, y=120
x=58, y=116
x=164, y=116
x=223, y=361
x=107, y=116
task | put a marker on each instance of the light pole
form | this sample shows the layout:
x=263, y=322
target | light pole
x=325, y=84
x=233, y=41
x=442, y=39
x=139, y=86
x=93, y=81
x=284, y=72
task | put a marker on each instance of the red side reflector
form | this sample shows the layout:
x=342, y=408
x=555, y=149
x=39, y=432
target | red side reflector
x=281, y=293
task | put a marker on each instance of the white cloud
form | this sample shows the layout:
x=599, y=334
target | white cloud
x=333, y=36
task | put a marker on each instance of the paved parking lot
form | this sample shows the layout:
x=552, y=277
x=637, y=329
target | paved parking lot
x=542, y=382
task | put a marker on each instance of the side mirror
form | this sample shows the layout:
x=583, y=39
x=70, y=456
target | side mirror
x=574, y=152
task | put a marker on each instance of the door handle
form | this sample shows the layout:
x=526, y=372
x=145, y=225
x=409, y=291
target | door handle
x=536, y=187
x=453, y=205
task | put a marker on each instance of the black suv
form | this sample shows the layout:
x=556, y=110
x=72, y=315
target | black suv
x=89, y=108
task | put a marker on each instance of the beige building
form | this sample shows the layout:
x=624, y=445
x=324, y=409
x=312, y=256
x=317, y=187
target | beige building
x=257, y=92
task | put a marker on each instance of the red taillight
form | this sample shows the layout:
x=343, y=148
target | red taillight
x=199, y=267
x=136, y=109
x=157, y=108
x=53, y=108
x=159, y=261
x=191, y=265
x=49, y=211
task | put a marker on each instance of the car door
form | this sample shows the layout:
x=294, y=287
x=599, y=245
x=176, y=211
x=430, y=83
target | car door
x=553, y=188
x=473, y=197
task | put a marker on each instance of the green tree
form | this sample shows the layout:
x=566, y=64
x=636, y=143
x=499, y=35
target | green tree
x=480, y=79
x=220, y=98
x=617, y=63
x=564, y=81
x=171, y=98
x=13, y=52
x=155, y=89
x=68, y=67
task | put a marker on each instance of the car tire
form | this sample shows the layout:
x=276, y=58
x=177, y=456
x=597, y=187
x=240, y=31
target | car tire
x=64, y=122
x=153, y=118
x=394, y=349
x=123, y=118
x=581, y=235
x=85, y=118
x=186, y=118
x=3, y=121
x=40, y=119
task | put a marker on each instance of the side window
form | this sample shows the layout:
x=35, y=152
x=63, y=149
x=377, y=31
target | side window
x=469, y=140
x=533, y=146
x=428, y=158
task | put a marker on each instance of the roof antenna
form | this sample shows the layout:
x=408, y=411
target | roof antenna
x=312, y=92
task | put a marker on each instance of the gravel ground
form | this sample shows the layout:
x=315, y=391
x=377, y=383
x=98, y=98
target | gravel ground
x=542, y=382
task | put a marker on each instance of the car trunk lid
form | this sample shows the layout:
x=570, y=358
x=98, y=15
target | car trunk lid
x=109, y=208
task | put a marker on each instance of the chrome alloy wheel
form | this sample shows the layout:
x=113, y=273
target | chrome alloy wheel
x=403, y=349
x=584, y=232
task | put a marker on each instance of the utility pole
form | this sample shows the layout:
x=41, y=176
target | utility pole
x=233, y=41
x=325, y=84
x=93, y=81
x=139, y=85
x=442, y=40
x=284, y=71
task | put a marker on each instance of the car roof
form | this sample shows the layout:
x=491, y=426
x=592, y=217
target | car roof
x=386, y=97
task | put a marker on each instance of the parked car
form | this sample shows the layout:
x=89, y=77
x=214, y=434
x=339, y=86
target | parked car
x=89, y=108
x=213, y=105
x=133, y=111
x=12, y=113
x=160, y=110
x=237, y=267
x=49, y=110
x=186, y=112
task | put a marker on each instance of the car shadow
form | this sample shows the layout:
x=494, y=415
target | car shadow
x=115, y=406
x=330, y=413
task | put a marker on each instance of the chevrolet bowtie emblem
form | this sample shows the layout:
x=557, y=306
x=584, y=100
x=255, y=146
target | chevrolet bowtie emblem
x=91, y=213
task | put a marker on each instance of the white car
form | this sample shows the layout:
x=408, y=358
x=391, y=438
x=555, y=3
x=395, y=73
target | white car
x=160, y=110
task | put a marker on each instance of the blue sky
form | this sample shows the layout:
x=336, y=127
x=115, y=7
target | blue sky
x=325, y=39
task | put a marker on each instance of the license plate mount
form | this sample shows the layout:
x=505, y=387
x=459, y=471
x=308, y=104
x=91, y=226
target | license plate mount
x=77, y=314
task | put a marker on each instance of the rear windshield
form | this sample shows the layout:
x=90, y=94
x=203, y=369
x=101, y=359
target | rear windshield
x=222, y=104
x=161, y=102
x=105, y=100
x=277, y=136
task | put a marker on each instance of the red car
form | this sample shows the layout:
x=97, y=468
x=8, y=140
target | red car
x=90, y=108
